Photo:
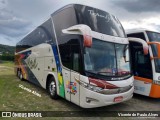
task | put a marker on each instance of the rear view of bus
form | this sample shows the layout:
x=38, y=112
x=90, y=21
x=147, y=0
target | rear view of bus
x=90, y=63
x=146, y=68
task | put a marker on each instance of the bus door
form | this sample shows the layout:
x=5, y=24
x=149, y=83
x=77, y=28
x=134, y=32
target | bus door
x=75, y=74
x=71, y=71
x=75, y=87
x=141, y=68
x=67, y=77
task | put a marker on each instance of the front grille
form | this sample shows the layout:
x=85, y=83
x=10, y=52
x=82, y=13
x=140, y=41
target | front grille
x=115, y=91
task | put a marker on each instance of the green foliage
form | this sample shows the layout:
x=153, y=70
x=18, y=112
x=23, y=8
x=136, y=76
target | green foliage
x=7, y=50
x=7, y=57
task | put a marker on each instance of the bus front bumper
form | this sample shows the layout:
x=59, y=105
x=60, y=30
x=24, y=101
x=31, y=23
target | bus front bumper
x=91, y=99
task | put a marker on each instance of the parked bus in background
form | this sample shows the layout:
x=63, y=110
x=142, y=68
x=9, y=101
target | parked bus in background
x=146, y=68
x=81, y=54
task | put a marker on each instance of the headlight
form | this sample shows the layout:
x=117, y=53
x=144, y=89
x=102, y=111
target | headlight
x=91, y=87
x=105, y=91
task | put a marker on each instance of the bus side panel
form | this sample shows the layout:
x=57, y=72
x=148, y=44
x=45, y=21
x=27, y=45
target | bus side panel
x=142, y=85
x=23, y=65
x=40, y=60
x=49, y=68
x=155, y=91
x=36, y=66
x=16, y=57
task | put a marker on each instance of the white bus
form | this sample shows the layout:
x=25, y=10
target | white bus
x=146, y=68
x=81, y=54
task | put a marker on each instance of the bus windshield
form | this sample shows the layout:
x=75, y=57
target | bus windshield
x=107, y=59
x=153, y=36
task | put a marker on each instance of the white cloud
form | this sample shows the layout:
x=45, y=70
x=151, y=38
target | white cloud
x=152, y=23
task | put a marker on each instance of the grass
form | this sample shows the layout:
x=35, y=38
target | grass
x=12, y=97
x=7, y=64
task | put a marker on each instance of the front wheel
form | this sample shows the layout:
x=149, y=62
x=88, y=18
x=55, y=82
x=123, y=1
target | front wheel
x=52, y=89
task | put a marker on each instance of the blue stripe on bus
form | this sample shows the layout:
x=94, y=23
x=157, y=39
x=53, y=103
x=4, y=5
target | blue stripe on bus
x=59, y=71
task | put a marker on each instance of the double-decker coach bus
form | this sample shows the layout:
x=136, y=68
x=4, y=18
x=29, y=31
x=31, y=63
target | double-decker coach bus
x=146, y=68
x=81, y=54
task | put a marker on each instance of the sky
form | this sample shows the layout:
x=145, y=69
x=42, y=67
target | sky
x=19, y=17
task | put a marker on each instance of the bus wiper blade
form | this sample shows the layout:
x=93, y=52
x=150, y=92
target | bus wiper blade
x=92, y=73
x=103, y=72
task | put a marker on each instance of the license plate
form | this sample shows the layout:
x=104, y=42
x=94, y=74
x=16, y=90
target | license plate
x=118, y=99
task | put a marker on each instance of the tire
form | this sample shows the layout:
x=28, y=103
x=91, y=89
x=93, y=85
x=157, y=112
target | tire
x=52, y=89
x=20, y=75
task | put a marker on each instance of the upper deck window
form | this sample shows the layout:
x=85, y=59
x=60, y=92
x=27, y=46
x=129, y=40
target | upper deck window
x=99, y=21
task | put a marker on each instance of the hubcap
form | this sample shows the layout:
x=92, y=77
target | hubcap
x=18, y=73
x=21, y=76
x=52, y=87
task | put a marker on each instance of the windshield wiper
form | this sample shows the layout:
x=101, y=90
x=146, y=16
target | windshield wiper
x=99, y=73
x=92, y=73
x=103, y=72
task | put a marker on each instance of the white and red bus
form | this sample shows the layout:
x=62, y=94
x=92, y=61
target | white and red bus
x=146, y=68
x=81, y=54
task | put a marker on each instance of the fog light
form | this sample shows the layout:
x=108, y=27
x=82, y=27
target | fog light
x=88, y=100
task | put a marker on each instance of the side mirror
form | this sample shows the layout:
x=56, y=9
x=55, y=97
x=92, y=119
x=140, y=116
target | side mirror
x=125, y=59
x=158, y=49
x=126, y=56
x=126, y=53
x=141, y=41
x=81, y=29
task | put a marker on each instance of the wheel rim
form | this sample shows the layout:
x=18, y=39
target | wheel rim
x=18, y=73
x=21, y=76
x=52, y=88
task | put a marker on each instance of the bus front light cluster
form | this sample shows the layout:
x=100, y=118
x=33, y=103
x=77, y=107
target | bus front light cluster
x=88, y=100
x=156, y=82
x=105, y=91
x=91, y=87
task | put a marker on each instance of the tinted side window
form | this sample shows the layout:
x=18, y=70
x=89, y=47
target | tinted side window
x=99, y=21
x=143, y=65
x=69, y=45
x=65, y=55
x=70, y=53
x=62, y=20
x=140, y=63
x=42, y=34
x=47, y=28
x=75, y=50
